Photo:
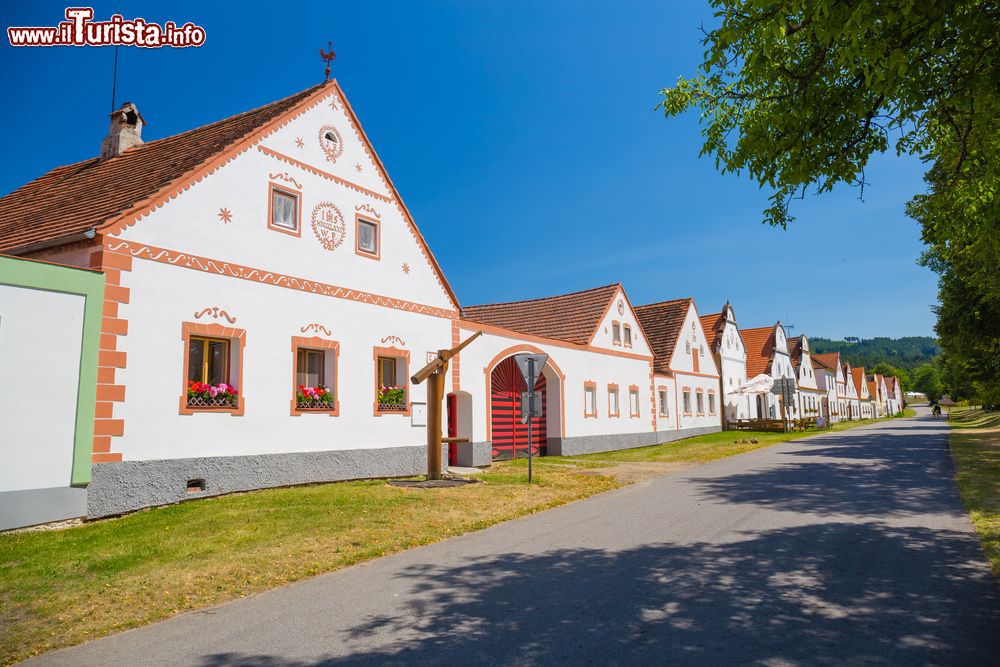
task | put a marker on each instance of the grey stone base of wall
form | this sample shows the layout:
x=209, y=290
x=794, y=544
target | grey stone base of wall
x=31, y=507
x=125, y=486
x=593, y=444
x=473, y=454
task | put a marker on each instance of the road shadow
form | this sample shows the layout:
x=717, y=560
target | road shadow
x=831, y=594
x=877, y=475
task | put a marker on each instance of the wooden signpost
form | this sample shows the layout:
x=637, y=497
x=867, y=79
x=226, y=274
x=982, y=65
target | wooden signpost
x=436, y=371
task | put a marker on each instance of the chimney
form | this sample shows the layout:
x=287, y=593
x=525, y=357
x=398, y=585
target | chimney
x=125, y=132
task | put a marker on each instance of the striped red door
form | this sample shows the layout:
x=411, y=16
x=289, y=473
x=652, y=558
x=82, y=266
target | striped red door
x=510, y=436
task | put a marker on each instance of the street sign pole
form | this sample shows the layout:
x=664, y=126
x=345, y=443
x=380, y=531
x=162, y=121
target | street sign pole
x=531, y=405
x=530, y=366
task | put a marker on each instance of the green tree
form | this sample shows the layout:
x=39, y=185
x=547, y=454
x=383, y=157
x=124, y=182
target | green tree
x=800, y=94
x=927, y=380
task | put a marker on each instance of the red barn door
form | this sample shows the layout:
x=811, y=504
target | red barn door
x=510, y=436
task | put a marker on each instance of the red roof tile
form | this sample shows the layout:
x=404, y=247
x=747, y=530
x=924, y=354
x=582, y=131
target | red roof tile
x=662, y=323
x=570, y=317
x=828, y=359
x=75, y=198
x=858, y=375
x=759, y=343
x=711, y=325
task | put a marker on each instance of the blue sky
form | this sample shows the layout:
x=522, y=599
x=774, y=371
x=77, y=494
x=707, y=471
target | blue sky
x=522, y=137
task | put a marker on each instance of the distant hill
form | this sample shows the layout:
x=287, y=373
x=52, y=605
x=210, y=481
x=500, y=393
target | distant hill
x=907, y=352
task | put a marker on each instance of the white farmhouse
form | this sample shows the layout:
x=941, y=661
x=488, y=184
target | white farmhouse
x=866, y=403
x=685, y=377
x=726, y=344
x=767, y=352
x=811, y=395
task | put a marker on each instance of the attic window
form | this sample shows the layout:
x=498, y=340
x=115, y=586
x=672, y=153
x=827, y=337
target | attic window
x=330, y=142
x=283, y=210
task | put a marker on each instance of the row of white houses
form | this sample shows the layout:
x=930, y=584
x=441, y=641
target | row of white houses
x=267, y=297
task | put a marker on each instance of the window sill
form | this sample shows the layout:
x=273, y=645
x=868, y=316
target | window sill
x=315, y=407
x=198, y=406
x=392, y=409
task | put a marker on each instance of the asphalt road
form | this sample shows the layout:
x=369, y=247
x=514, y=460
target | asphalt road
x=842, y=549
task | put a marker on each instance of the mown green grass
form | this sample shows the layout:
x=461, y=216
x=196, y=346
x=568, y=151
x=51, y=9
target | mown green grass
x=975, y=449
x=63, y=587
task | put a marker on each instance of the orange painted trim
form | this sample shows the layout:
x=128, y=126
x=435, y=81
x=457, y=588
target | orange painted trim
x=631, y=310
x=604, y=313
x=456, y=375
x=210, y=166
x=229, y=269
x=688, y=410
x=387, y=180
x=616, y=326
x=358, y=219
x=109, y=427
x=697, y=375
x=627, y=340
x=116, y=261
x=514, y=349
x=102, y=445
x=589, y=384
x=214, y=330
x=270, y=152
x=113, y=325
x=116, y=293
x=613, y=389
x=633, y=389
x=316, y=343
x=111, y=359
x=713, y=399
x=111, y=392
x=659, y=409
x=469, y=325
x=272, y=188
x=396, y=353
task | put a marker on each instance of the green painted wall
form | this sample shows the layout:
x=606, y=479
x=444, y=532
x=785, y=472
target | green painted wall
x=20, y=272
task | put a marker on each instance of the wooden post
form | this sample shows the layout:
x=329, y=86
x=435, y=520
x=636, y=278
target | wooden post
x=435, y=396
x=784, y=419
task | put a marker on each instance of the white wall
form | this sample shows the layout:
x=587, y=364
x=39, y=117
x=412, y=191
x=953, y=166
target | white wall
x=733, y=367
x=579, y=365
x=622, y=313
x=191, y=222
x=691, y=340
x=40, y=338
x=164, y=296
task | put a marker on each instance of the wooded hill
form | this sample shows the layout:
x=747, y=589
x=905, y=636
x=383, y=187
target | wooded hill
x=907, y=352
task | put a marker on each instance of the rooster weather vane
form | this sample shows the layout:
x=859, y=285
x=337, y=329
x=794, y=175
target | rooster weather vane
x=327, y=57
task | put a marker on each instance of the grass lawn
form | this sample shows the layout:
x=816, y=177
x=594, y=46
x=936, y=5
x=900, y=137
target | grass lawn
x=975, y=448
x=63, y=587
